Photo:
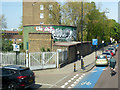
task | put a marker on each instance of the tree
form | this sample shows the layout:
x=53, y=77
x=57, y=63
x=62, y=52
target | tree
x=21, y=24
x=3, y=23
x=7, y=45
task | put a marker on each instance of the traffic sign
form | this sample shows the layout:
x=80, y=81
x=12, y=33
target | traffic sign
x=94, y=41
x=16, y=47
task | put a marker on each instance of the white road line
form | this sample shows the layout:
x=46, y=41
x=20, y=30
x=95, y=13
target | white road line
x=45, y=84
x=72, y=85
x=63, y=86
x=79, y=78
x=77, y=74
x=83, y=74
x=66, y=83
x=72, y=78
x=75, y=82
x=69, y=81
x=69, y=87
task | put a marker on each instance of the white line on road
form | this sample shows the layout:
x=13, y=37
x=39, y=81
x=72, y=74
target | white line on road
x=72, y=85
x=63, y=86
x=66, y=83
x=69, y=81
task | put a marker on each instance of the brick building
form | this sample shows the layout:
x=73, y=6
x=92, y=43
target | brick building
x=12, y=36
x=40, y=12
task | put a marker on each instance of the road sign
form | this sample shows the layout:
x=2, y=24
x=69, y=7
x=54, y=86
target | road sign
x=94, y=41
x=16, y=47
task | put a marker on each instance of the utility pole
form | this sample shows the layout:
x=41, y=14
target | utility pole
x=82, y=63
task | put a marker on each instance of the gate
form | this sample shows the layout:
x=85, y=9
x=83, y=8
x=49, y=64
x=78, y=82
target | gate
x=42, y=60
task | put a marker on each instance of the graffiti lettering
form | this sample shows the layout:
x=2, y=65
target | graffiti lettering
x=59, y=34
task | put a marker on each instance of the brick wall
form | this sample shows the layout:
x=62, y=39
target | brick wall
x=38, y=41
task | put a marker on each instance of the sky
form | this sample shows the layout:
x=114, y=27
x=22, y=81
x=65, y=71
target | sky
x=12, y=9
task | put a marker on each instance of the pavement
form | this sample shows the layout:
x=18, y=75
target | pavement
x=54, y=78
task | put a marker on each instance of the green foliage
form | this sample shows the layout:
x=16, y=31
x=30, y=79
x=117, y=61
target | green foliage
x=20, y=33
x=42, y=49
x=95, y=23
x=48, y=49
x=7, y=45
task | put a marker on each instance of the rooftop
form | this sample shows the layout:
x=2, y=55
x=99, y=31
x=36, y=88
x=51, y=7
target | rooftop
x=68, y=43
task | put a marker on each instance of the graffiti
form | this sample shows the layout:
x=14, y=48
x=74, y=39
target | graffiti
x=59, y=33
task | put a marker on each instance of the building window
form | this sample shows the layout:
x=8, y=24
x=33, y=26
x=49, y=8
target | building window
x=50, y=15
x=41, y=7
x=50, y=7
x=41, y=15
x=41, y=22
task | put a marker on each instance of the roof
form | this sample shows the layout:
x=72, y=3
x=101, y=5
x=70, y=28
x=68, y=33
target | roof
x=10, y=31
x=72, y=43
x=48, y=25
x=13, y=36
x=14, y=67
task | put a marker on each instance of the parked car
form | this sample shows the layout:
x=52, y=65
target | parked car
x=108, y=54
x=16, y=77
x=101, y=60
x=114, y=46
x=111, y=49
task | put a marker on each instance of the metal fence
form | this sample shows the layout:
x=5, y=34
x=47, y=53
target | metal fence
x=36, y=60
x=42, y=60
x=10, y=59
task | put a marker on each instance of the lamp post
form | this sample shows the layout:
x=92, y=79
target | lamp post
x=103, y=27
x=82, y=63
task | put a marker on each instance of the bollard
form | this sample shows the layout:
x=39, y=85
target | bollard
x=74, y=67
x=82, y=63
x=59, y=65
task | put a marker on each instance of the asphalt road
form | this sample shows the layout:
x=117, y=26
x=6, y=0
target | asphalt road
x=106, y=80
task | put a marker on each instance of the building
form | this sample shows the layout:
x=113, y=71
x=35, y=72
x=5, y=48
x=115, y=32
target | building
x=12, y=36
x=38, y=36
x=40, y=13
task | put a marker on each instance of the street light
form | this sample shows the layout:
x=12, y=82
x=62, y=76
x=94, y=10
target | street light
x=103, y=27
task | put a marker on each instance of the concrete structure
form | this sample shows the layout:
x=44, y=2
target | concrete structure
x=72, y=49
x=58, y=32
x=40, y=12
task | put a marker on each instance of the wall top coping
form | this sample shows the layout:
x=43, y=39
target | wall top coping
x=48, y=25
x=67, y=44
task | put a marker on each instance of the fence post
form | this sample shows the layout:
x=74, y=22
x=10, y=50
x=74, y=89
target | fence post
x=27, y=58
x=57, y=59
x=1, y=59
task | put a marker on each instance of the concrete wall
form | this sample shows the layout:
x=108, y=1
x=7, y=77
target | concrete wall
x=38, y=41
x=72, y=50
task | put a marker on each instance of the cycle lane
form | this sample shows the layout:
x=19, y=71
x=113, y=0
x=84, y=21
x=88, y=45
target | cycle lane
x=91, y=78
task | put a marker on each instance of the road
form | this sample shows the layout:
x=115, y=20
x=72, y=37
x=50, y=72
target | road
x=106, y=80
x=100, y=77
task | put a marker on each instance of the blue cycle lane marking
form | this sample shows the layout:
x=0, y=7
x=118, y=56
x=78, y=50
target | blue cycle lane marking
x=90, y=79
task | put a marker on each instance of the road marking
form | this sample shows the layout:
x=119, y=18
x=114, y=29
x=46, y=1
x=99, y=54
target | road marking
x=79, y=78
x=66, y=83
x=45, y=84
x=82, y=76
x=94, y=71
x=72, y=78
x=72, y=85
x=69, y=87
x=69, y=81
x=63, y=86
x=87, y=83
x=60, y=80
x=75, y=82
